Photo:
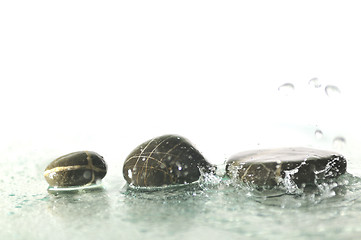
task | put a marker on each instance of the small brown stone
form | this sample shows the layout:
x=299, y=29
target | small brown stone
x=75, y=169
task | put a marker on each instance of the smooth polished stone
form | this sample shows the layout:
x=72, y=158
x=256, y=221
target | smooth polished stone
x=76, y=169
x=270, y=167
x=164, y=160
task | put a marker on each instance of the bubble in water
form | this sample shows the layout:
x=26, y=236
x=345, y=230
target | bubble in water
x=314, y=82
x=332, y=91
x=318, y=134
x=286, y=88
x=339, y=142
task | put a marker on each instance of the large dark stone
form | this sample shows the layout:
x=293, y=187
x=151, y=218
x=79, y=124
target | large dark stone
x=165, y=160
x=75, y=169
x=272, y=166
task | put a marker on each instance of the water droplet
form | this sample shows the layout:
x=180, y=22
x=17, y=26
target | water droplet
x=318, y=134
x=332, y=91
x=314, y=82
x=339, y=142
x=87, y=174
x=286, y=88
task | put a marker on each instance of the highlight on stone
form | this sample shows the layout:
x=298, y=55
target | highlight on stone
x=271, y=167
x=75, y=169
x=164, y=160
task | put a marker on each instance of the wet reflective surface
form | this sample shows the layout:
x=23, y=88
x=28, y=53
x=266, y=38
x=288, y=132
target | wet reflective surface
x=212, y=208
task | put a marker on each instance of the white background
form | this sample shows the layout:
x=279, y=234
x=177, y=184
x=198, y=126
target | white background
x=108, y=75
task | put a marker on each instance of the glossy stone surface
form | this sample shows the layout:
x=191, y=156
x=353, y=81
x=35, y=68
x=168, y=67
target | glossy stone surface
x=76, y=169
x=164, y=160
x=270, y=167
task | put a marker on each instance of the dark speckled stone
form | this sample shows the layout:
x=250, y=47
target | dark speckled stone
x=270, y=167
x=164, y=160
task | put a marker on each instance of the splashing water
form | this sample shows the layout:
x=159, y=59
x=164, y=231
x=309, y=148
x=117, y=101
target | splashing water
x=288, y=183
x=288, y=195
x=215, y=207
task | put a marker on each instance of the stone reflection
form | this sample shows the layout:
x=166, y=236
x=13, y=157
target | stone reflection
x=73, y=208
x=174, y=209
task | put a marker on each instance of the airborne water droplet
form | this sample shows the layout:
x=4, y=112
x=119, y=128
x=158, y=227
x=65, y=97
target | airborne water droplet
x=332, y=91
x=314, y=82
x=339, y=142
x=286, y=88
x=318, y=134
